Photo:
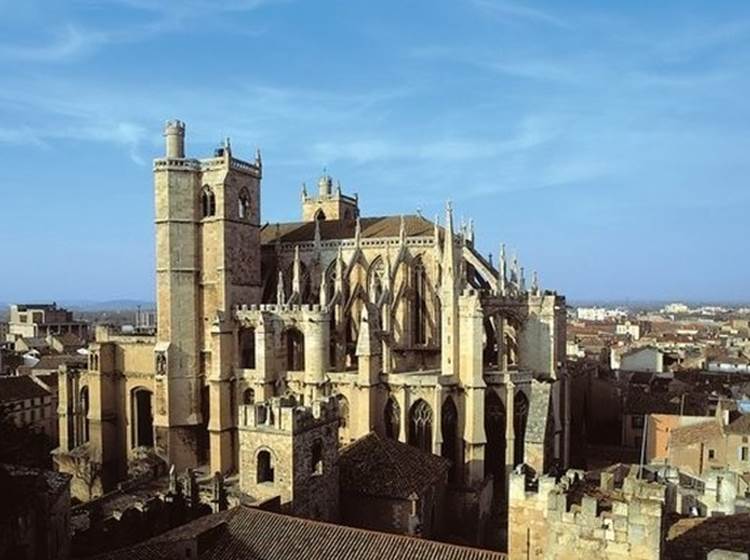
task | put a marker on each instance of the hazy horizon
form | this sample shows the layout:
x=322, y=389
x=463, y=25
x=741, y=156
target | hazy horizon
x=606, y=144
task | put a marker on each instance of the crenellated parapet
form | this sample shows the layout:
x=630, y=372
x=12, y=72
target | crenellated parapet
x=609, y=520
x=285, y=414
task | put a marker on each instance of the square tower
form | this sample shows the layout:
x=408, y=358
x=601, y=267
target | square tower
x=291, y=452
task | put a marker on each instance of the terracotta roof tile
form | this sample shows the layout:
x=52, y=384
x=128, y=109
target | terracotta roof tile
x=376, y=466
x=253, y=534
x=696, y=433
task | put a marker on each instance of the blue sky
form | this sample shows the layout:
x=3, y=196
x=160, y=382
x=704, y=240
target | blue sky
x=608, y=143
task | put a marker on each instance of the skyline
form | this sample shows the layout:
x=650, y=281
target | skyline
x=605, y=147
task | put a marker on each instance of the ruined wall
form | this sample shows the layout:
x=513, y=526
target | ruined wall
x=622, y=524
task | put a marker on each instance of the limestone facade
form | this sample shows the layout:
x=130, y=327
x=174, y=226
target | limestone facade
x=399, y=319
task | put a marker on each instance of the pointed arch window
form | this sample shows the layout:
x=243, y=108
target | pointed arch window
x=420, y=426
x=392, y=417
x=494, y=427
x=449, y=431
x=295, y=350
x=208, y=202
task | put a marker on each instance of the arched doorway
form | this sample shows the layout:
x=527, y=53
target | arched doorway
x=142, y=419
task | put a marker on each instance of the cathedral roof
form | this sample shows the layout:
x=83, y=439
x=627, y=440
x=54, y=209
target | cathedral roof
x=376, y=466
x=384, y=226
x=244, y=532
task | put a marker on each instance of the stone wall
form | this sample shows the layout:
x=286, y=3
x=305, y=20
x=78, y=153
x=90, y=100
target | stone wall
x=608, y=524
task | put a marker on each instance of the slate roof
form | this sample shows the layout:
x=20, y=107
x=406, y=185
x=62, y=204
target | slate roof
x=384, y=226
x=20, y=387
x=381, y=467
x=253, y=534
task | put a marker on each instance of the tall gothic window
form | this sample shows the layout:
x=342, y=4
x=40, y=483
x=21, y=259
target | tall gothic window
x=295, y=350
x=247, y=348
x=420, y=426
x=392, y=418
x=449, y=430
x=419, y=314
x=84, y=415
x=520, y=416
x=208, y=202
x=494, y=427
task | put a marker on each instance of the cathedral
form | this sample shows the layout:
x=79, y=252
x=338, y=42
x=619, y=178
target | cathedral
x=396, y=324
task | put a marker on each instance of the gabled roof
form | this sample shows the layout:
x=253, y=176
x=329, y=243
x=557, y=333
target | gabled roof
x=385, y=226
x=381, y=467
x=253, y=534
x=20, y=387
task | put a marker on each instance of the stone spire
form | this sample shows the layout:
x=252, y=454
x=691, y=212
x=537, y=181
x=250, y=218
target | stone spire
x=449, y=300
x=502, y=275
x=402, y=232
x=535, y=284
x=303, y=192
x=317, y=241
x=522, y=281
x=258, y=160
x=340, y=272
x=357, y=232
x=449, y=261
x=323, y=289
x=280, y=289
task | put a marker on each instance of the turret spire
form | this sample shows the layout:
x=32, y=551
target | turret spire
x=280, y=297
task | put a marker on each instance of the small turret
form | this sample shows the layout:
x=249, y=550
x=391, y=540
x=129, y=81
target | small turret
x=174, y=133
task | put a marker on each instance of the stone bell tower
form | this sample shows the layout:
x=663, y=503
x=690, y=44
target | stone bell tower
x=207, y=261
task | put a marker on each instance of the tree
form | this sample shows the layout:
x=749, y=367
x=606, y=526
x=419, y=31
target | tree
x=87, y=471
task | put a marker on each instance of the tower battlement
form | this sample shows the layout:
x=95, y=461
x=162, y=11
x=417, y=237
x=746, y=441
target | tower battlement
x=284, y=414
x=575, y=513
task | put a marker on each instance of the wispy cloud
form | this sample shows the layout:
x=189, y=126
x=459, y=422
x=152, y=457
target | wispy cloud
x=515, y=11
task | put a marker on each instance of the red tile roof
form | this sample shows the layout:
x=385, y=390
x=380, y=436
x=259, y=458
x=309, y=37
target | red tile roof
x=253, y=534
